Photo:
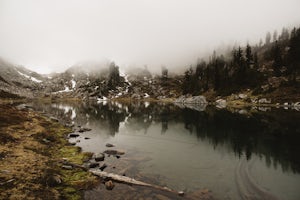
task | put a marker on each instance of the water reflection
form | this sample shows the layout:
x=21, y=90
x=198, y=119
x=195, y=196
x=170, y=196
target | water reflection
x=272, y=135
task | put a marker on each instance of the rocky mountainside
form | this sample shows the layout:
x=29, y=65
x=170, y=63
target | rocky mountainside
x=106, y=81
x=87, y=81
x=17, y=81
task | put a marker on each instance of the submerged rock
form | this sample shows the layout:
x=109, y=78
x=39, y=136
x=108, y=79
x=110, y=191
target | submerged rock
x=109, y=145
x=114, y=152
x=81, y=130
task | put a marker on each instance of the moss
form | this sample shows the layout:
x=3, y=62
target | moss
x=74, y=180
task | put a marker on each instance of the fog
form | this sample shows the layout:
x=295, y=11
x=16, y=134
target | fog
x=53, y=35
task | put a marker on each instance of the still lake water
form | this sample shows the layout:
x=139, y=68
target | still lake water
x=236, y=156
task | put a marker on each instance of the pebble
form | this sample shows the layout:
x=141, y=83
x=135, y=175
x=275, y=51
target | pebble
x=109, y=145
x=73, y=135
x=109, y=185
x=180, y=193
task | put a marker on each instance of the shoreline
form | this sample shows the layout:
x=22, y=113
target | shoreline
x=32, y=149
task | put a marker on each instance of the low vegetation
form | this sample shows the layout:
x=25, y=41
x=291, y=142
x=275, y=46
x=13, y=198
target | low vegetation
x=31, y=151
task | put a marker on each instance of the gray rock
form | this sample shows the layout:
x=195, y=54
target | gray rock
x=54, y=119
x=243, y=112
x=242, y=96
x=103, y=166
x=46, y=140
x=196, y=100
x=69, y=167
x=93, y=165
x=296, y=106
x=99, y=157
x=264, y=101
x=221, y=103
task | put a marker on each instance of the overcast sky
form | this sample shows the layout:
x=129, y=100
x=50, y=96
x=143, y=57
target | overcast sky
x=53, y=35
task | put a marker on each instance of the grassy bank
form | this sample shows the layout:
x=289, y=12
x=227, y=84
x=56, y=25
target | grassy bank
x=31, y=151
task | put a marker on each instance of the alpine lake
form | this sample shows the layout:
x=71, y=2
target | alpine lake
x=235, y=154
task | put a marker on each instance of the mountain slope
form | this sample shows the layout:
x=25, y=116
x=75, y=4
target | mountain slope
x=16, y=81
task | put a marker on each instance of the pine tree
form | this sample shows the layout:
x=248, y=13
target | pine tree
x=293, y=53
x=277, y=63
x=249, y=56
x=268, y=38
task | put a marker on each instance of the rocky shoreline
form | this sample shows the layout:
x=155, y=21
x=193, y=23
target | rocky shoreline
x=32, y=149
x=57, y=167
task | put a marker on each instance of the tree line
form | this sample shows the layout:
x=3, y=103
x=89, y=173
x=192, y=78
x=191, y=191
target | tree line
x=244, y=68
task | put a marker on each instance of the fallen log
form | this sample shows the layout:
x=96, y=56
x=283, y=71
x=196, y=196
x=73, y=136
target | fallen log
x=123, y=179
x=128, y=180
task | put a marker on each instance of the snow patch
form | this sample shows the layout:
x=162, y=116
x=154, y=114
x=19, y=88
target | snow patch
x=67, y=89
x=146, y=95
x=73, y=84
x=103, y=99
x=30, y=77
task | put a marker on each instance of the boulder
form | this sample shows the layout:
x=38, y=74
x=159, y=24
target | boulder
x=264, y=101
x=195, y=100
x=296, y=106
x=93, y=165
x=221, y=103
x=242, y=96
x=180, y=99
